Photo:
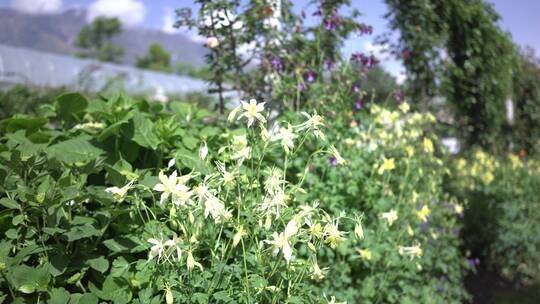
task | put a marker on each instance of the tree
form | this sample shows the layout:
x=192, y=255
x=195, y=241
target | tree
x=96, y=39
x=456, y=49
x=157, y=59
x=526, y=97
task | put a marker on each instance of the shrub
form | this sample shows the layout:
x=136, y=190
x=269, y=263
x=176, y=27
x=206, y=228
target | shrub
x=125, y=201
x=410, y=250
x=502, y=218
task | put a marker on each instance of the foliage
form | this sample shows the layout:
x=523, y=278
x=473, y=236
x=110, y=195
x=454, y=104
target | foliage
x=394, y=176
x=96, y=39
x=22, y=99
x=157, y=59
x=290, y=56
x=502, y=221
x=91, y=210
x=526, y=98
x=476, y=48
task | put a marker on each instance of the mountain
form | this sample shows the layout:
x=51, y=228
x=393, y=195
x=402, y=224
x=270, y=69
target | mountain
x=56, y=34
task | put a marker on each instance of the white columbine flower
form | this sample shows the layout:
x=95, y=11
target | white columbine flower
x=119, y=194
x=173, y=186
x=335, y=153
x=281, y=240
x=313, y=123
x=214, y=207
x=240, y=146
x=157, y=250
x=191, y=263
x=174, y=244
x=252, y=111
x=203, y=151
x=317, y=273
x=286, y=136
x=228, y=177
x=411, y=251
x=332, y=234
x=333, y=301
x=390, y=216
x=274, y=202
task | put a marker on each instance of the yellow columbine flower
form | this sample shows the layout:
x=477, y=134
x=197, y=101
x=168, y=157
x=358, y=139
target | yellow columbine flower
x=404, y=107
x=458, y=208
x=365, y=254
x=412, y=251
x=387, y=165
x=414, y=196
x=427, y=145
x=409, y=151
x=423, y=213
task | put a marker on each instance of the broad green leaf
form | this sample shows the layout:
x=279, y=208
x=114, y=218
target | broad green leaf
x=119, y=267
x=69, y=104
x=58, y=264
x=9, y=203
x=86, y=298
x=81, y=232
x=28, y=279
x=100, y=264
x=76, y=150
x=23, y=122
x=143, y=132
x=121, y=244
x=59, y=296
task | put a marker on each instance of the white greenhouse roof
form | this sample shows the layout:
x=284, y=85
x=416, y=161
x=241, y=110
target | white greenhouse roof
x=25, y=66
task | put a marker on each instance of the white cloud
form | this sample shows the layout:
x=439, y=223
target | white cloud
x=168, y=22
x=376, y=49
x=130, y=12
x=37, y=6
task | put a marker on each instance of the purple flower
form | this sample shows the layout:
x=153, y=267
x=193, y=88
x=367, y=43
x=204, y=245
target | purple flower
x=318, y=12
x=365, y=29
x=355, y=88
x=473, y=262
x=277, y=64
x=301, y=86
x=359, y=104
x=329, y=64
x=332, y=22
x=310, y=76
x=399, y=96
x=357, y=57
x=333, y=161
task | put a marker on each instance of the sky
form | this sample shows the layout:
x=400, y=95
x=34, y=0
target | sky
x=519, y=17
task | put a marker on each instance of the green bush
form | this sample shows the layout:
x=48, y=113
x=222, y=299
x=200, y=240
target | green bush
x=503, y=215
x=395, y=178
x=22, y=99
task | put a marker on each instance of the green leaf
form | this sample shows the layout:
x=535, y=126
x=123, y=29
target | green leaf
x=121, y=244
x=27, y=288
x=59, y=296
x=69, y=104
x=9, y=203
x=119, y=267
x=23, y=122
x=81, y=232
x=58, y=264
x=28, y=279
x=191, y=160
x=86, y=298
x=144, y=133
x=100, y=264
x=76, y=150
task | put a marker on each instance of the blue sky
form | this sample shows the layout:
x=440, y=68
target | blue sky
x=519, y=17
